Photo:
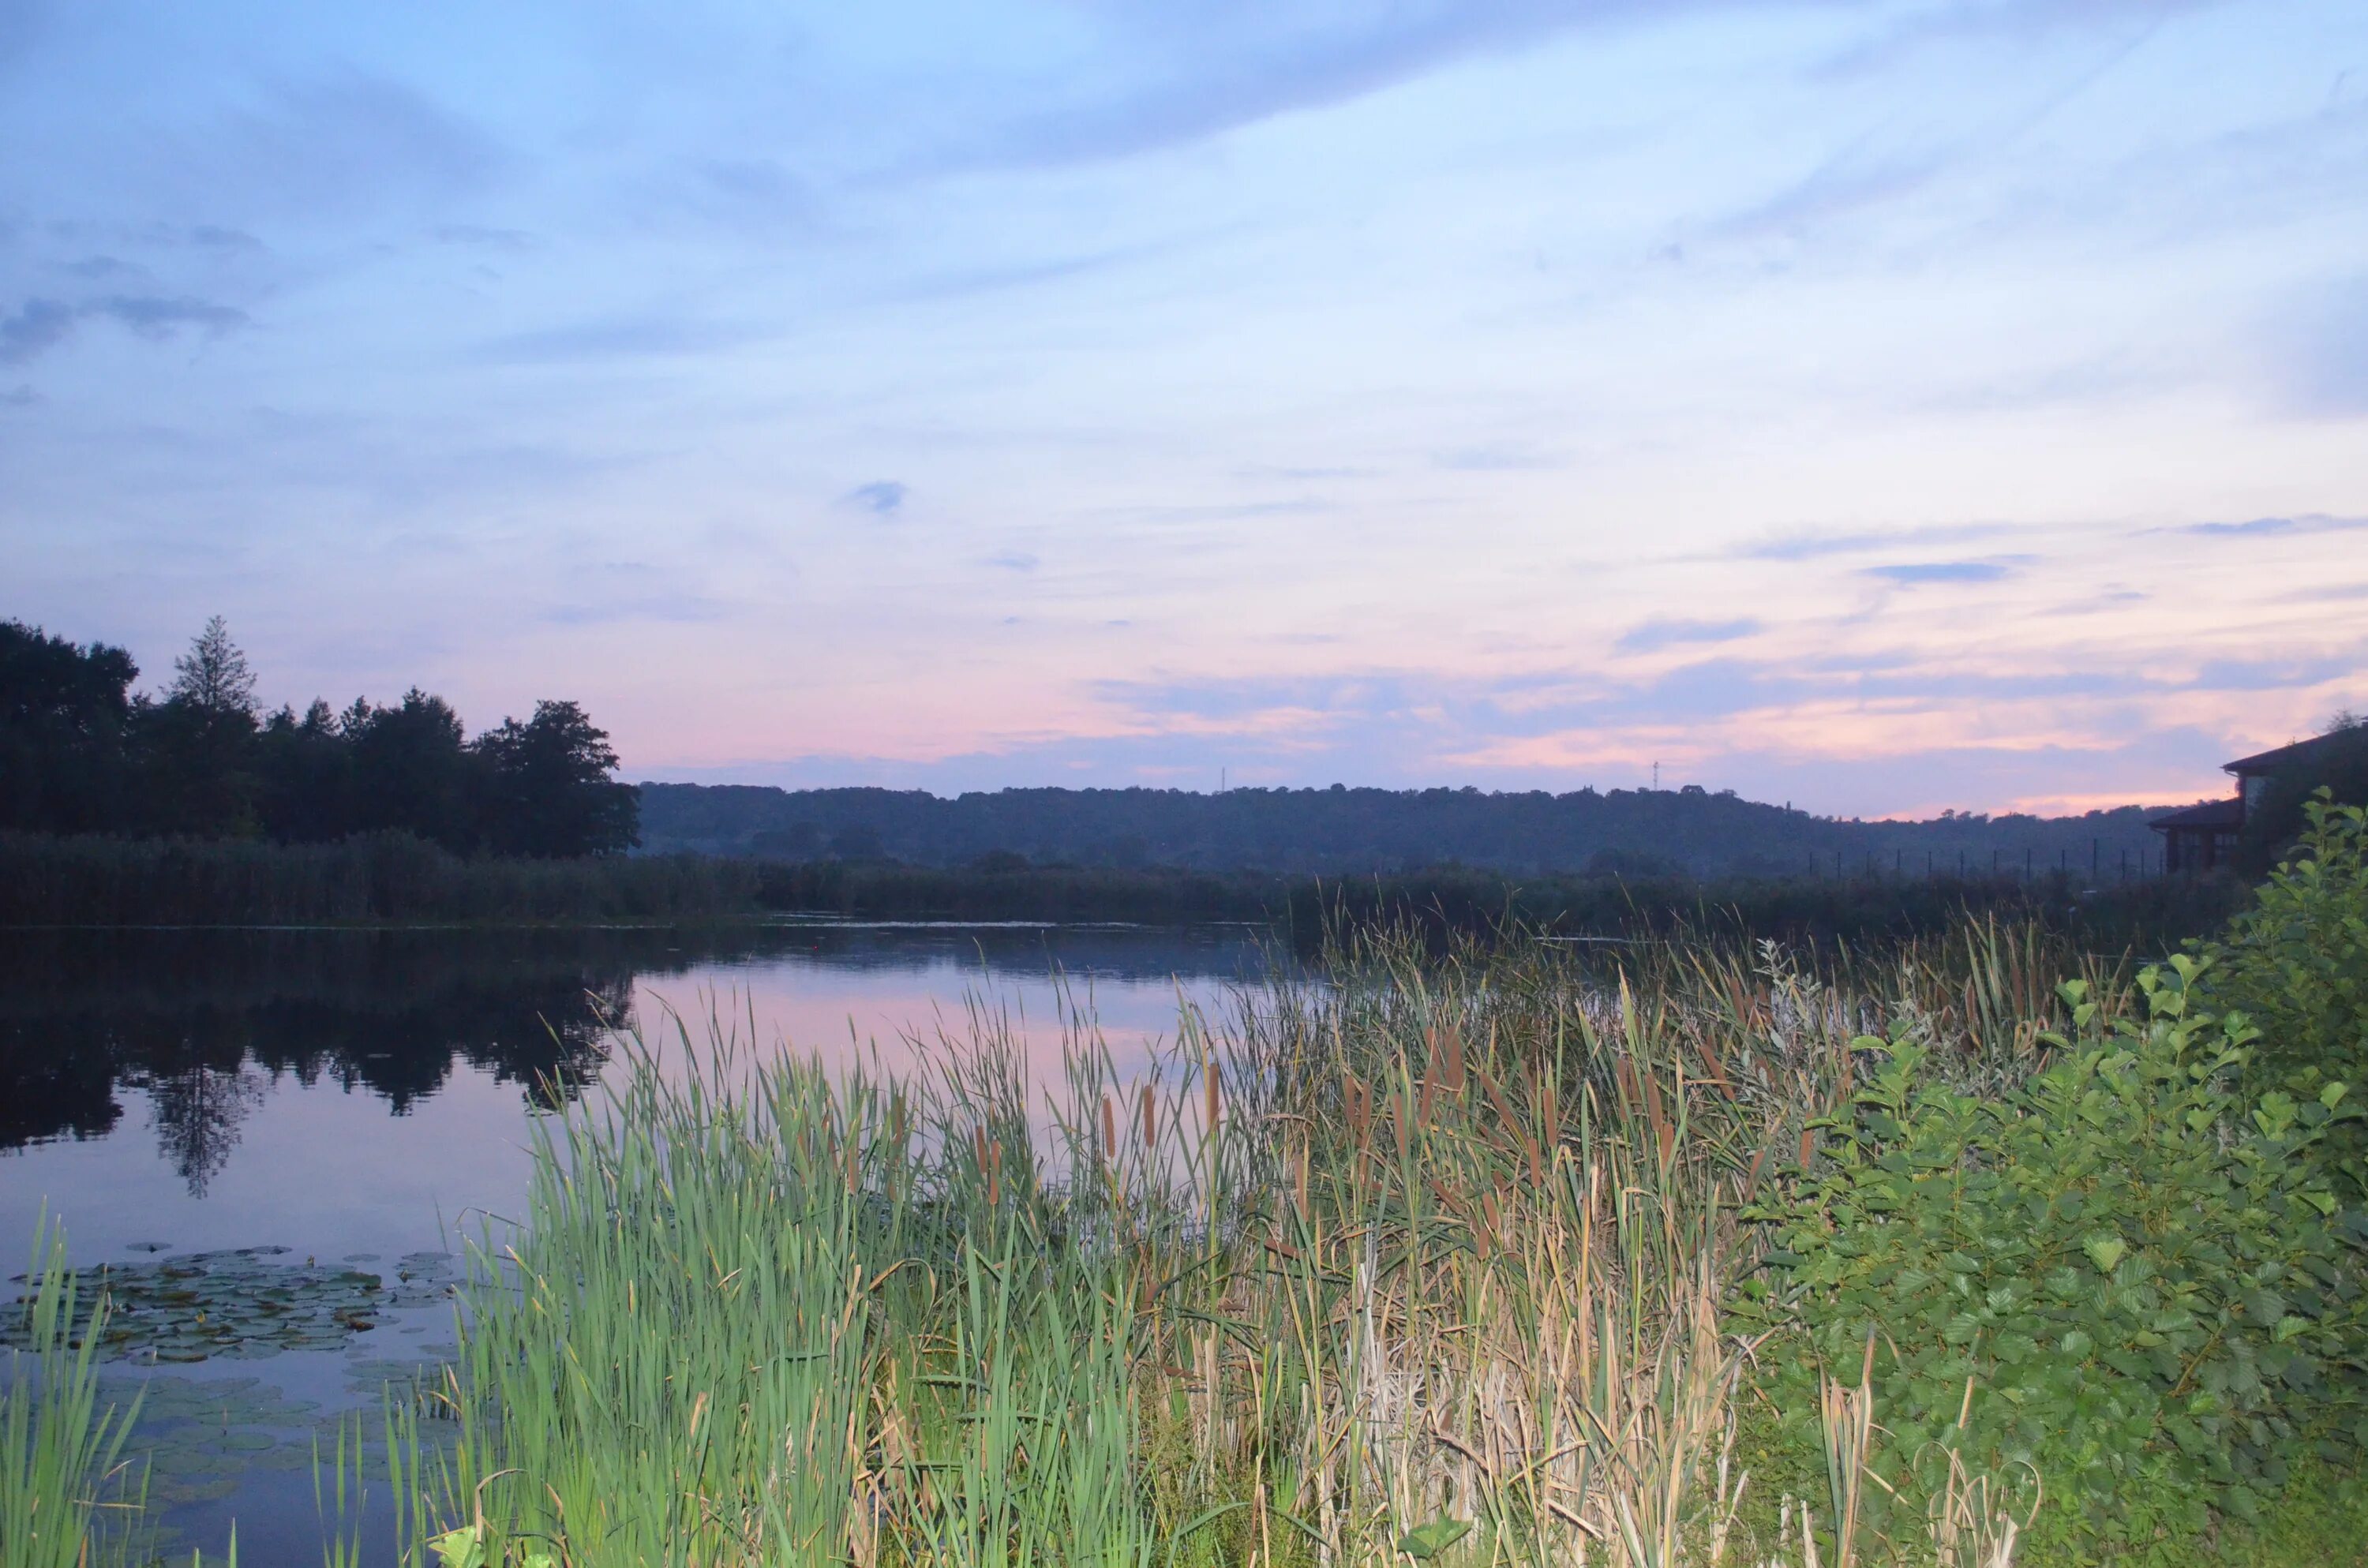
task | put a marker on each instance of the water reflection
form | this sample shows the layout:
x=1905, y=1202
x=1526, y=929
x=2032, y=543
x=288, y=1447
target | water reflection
x=205, y=1025
x=361, y=1098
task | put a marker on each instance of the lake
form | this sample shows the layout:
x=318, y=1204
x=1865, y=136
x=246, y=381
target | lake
x=316, y=1119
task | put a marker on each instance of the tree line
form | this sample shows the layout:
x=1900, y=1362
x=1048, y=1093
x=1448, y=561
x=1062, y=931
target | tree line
x=81, y=752
x=1625, y=834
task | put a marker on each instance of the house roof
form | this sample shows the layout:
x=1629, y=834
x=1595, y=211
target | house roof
x=2286, y=757
x=2230, y=814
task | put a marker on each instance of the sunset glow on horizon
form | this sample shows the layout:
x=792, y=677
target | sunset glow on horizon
x=1880, y=407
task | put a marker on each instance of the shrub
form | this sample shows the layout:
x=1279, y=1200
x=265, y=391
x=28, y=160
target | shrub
x=2297, y=960
x=2116, y=1279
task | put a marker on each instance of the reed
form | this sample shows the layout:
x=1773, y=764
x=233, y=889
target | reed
x=1431, y=1253
x=62, y=1480
x=1428, y=1260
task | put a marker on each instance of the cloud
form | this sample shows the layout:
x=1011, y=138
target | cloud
x=155, y=317
x=618, y=337
x=660, y=606
x=1497, y=457
x=2013, y=21
x=1909, y=573
x=478, y=234
x=1190, y=71
x=2341, y=593
x=1852, y=179
x=96, y=268
x=2256, y=527
x=1010, y=560
x=1652, y=636
x=38, y=326
x=19, y=397
x=1813, y=546
x=41, y=325
x=2317, y=351
x=344, y=139
x=882, y=497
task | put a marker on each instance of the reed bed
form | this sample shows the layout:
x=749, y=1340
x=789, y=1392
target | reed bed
x=1428, y=1260
x=1418, y=1257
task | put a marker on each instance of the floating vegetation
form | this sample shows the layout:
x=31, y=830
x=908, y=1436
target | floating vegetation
x=245, y=1303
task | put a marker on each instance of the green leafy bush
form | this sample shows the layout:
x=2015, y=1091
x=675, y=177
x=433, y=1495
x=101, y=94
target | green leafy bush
x=2297, y=960
x=2116, y=1281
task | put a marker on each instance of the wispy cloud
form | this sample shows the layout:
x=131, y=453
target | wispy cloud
x=1652, y=636
x=1910, y=574
x=2260, y=528
x=657, y=336
x=1812, y=546
x=40, y=325
x=152, y=316
x=2316, y=350
x=882, y=497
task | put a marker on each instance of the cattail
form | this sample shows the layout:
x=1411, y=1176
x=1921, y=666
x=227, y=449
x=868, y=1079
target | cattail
x=1663, y=1132
x=1210, y=1092
x=1109, y=1130
x=1150, y=1117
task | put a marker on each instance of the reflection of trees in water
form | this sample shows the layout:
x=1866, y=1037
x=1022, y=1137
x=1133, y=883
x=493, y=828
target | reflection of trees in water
x=206, y=1026
x=204, y=1022
x=199, y=1110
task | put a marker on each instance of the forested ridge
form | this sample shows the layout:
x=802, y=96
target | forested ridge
x=1341, y=830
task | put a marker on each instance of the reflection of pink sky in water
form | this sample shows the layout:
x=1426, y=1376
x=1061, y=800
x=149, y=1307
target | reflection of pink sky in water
x=907, y=1021
x=330, y=1171
x=841, y=1016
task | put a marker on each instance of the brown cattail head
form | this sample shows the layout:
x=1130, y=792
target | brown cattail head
x=1109, y=1130
x=1211, y=1095
x=1150, y=1117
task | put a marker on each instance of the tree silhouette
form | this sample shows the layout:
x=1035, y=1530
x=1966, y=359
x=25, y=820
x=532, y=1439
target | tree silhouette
x=550, y=787
x=213, y=676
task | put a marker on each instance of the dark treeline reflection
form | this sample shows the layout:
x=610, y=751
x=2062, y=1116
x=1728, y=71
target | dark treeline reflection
x=205, y=1022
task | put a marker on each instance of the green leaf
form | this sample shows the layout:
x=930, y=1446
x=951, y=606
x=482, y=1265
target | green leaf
x=2105, y=1252
x=1427, y=1542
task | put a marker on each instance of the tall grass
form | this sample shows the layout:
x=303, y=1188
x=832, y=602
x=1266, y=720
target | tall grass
x=1426, y=1261
x=61, y=1442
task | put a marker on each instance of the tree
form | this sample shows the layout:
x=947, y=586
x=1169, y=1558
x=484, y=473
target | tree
x=550, y=792
x=63, y=709
x=212, y=676
x=412, y=772
x=307, y=768
x=196, y=749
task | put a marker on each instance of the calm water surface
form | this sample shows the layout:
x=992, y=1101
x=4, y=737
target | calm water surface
x=362, y=1099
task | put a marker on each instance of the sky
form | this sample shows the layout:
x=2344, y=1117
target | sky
x=1882, y=407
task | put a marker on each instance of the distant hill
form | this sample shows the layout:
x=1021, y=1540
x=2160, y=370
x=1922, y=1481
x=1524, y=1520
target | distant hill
x=1348, y=832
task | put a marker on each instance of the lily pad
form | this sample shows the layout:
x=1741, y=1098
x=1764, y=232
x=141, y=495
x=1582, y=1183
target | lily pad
x=242, y=1302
